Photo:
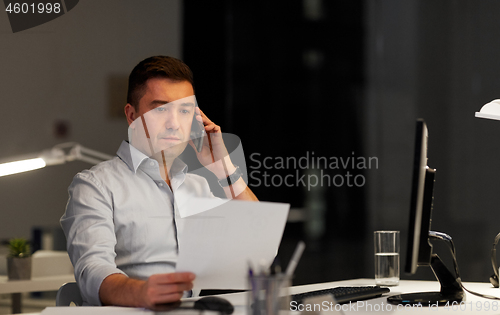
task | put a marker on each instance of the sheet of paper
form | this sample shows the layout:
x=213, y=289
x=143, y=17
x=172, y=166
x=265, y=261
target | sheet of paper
x=218, y=244
x=94, y=310
x=192, y=206
x=111, y=310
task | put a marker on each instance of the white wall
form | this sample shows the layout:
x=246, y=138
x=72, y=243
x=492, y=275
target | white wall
x=63, y=70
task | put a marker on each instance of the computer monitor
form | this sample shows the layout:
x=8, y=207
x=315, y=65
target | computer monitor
x=419, y=247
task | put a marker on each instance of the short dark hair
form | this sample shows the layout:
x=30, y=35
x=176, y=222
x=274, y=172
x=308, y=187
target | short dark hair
x=155, y=67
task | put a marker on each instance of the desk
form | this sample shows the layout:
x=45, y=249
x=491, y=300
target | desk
x=380, y=305
x=37, y=284
x=374, y=306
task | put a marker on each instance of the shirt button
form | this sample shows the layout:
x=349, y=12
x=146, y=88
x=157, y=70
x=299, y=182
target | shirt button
x=152, y=163
x=160, y=184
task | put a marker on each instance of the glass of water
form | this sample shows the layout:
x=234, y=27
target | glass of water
x=386, y=257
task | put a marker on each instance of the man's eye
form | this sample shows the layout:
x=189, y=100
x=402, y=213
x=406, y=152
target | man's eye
x=185, y=111
x=160, y=109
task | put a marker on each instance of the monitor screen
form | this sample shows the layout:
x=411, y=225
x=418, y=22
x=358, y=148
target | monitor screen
x=419, y=249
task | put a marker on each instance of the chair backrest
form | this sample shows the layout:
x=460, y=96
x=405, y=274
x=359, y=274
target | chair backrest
x=69, y=292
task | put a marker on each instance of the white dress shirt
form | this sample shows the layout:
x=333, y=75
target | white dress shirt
x=122, y=217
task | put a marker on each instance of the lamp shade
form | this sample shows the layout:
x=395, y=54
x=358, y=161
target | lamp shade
x=490, y=110
x=21, y=166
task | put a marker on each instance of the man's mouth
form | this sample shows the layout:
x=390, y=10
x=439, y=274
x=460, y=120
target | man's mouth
x=171, y=138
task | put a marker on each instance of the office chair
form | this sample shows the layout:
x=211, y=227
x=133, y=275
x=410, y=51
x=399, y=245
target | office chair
x=69, y=292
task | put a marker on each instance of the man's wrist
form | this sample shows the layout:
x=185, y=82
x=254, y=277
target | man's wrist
x=225, y=171
x=119, y=289
x=232, y=178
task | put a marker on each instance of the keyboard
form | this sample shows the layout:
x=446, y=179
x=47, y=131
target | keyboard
x=344, y=294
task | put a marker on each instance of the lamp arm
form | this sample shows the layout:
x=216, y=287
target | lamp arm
x=57, y=155
x=81, y=153
x=89, y=160
x=95, y=153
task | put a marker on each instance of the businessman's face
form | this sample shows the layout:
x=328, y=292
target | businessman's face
x=162, y=121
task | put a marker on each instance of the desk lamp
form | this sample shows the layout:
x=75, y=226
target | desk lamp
x=59, y=154
x=490, y=110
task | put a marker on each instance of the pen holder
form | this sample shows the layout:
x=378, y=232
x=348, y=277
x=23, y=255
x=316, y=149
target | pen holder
x=268, y=294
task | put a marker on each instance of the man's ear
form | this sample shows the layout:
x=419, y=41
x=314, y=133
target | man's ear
x=130, y=113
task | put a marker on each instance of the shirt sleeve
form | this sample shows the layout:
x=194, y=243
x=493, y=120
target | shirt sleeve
x=90, y=234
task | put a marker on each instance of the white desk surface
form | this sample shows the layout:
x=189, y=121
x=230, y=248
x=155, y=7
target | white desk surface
x=51, y=283
x=471, y=305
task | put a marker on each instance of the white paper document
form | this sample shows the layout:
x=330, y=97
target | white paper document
x=218, y=244
x=112, y=310
x=192, y=206
x=94, y=310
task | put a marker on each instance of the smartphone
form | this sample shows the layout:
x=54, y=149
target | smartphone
x=197, y=132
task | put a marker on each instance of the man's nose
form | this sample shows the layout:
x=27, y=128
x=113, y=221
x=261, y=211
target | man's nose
x=172, y=120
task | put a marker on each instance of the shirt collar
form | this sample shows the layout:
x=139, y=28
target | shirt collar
x=131, y=156
x=134, y=158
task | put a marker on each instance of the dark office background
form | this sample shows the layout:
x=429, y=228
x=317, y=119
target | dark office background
x=337, y=77
x=288, y=83
x=290, y=78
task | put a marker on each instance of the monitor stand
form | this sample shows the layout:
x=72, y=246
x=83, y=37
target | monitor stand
x=451, y=291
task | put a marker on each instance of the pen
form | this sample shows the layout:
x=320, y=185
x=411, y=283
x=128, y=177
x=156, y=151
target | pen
x=255, y=303
x=251, y=276
x=290, y=269
x=276, y=267
x=263, y=268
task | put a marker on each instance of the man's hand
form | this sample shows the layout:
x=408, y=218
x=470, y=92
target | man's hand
x=118, y=289
x=166, y=288
x=215, y=158
x=214, y=149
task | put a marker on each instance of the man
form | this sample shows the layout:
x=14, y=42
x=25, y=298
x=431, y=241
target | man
x=122, y=220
